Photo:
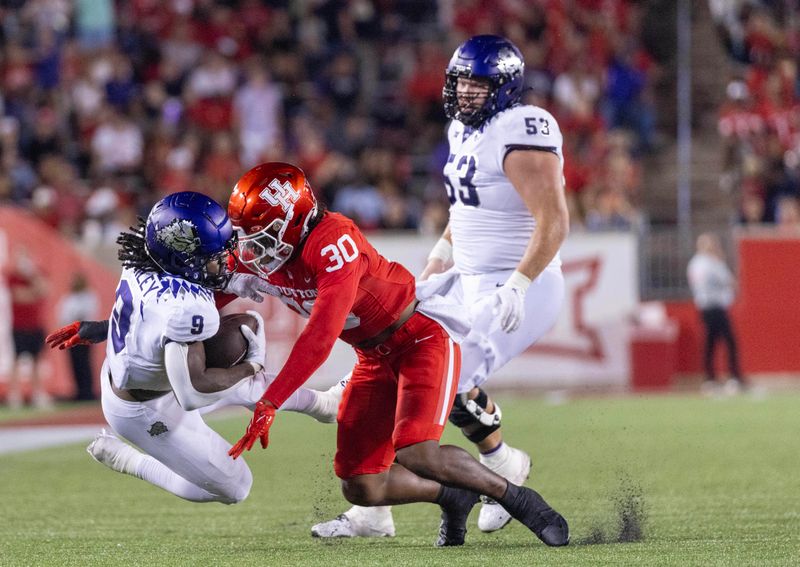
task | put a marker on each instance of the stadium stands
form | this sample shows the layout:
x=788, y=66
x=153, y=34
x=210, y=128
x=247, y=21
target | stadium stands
x=760, y=119
x=108, y=105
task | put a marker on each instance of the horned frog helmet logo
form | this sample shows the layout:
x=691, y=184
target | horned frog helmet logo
x=179, y=235
x=508, y=61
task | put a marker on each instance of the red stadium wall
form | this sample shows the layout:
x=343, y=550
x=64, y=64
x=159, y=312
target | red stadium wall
x=766, y=315
x=58, y=260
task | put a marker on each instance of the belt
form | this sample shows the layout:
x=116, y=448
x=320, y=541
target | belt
x=135, y=395
x=389, y=331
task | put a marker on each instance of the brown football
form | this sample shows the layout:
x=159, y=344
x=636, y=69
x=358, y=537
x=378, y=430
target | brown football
x=228, y=347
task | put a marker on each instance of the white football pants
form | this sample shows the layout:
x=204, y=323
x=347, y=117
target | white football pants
x=182, y=442
x=487, y=347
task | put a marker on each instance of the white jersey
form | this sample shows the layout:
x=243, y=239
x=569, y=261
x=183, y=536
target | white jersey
x=490, y=224
x=150, y=310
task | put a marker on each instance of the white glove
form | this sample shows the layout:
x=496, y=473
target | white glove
x=256, y=343
x=250, y=286
x=509, y=302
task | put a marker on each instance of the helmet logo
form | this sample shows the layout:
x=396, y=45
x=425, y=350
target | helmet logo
x=179, y=235
x=508, y=61
x=283, y=194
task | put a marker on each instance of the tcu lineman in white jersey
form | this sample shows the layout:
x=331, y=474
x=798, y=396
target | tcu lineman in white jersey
x=508, y=219
x=154, y=381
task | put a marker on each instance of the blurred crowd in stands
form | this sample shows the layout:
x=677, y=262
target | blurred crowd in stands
x=106, y=106
x=760, y=119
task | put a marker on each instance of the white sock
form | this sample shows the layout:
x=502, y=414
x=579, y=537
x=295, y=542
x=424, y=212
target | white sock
x=126, y=459
x=369, y=511
x=496, y=457
x=158, y=474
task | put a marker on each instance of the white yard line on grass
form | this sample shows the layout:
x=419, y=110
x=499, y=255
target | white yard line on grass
x=31, y=438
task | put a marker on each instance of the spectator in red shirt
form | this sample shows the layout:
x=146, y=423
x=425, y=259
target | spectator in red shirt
x=28, y=291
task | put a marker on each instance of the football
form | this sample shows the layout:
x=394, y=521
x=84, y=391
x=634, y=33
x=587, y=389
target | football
x=228, y=347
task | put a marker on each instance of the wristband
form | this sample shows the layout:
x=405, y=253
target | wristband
x=442, y=250
x=519, y=281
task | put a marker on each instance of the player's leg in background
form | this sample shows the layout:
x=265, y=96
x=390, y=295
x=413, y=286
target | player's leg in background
x=81, y=372
x=708, y=349
x=736, y=382
x=179, y=452
x=486, y=350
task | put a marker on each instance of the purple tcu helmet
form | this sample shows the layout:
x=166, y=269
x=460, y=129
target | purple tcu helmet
x=489, y=57
x=184, y=232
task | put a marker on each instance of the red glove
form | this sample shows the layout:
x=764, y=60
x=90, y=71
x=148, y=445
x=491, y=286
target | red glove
x=66, y=337
x=263, y=416
x=78, y=333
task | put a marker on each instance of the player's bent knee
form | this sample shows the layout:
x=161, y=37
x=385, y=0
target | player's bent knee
x=238, y=491
x=472, y=418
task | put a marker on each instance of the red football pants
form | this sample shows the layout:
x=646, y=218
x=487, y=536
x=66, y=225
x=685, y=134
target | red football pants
x=400, y=394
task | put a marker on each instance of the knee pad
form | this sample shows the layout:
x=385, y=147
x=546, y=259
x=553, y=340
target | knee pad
x=471, y=416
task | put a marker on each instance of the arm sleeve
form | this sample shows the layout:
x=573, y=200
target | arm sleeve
x=93, y=331
x=175, y=361
x=336, y=294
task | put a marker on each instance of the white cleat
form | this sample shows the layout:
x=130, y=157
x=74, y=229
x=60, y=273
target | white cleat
x=114, y=453
x=516, y=468
x=358, y=522
x=326, y=406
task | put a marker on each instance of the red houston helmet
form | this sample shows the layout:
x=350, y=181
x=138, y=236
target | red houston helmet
x=271, y=208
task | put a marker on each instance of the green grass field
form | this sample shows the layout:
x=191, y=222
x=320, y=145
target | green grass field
x=717, y=479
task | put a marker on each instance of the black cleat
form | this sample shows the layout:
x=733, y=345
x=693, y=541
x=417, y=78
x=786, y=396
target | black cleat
x=529, y=508
x=456, y=504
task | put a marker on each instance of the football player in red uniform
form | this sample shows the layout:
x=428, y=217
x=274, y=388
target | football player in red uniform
x=393, y=412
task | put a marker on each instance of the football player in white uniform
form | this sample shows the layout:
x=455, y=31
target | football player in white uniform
x=508, y=219
x=154, y=382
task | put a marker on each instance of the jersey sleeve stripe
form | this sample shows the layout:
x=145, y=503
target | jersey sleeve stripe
x=512, y=147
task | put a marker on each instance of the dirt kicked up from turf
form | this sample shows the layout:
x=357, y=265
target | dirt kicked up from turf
x=628, y=517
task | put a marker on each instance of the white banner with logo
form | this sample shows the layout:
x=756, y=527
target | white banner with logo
x=587, y=347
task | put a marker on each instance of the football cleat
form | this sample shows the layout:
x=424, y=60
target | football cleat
x=455, y=511
x=110, y=450
x=358, y=521
x=530, y=509
x=516, y=469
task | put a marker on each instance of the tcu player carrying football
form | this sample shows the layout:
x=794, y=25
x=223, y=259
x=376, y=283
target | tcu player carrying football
x=393, y=411
x=154, y=381
x=508, y=219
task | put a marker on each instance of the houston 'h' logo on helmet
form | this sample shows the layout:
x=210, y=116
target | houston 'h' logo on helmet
x=179, y=235
x=283, y=194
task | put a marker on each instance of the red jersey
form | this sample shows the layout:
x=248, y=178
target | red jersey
x=345, y=289
x=25, y=314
